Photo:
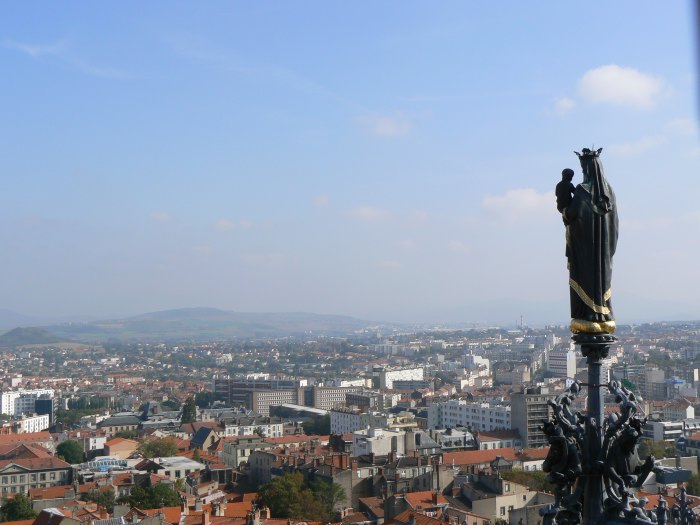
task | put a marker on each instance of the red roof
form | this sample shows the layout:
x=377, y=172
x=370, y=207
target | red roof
x=35, y=463
x=479, y=457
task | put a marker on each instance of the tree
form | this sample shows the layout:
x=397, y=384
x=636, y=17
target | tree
x=189, y=411
x=159, y=448
x=106, y=498
x=693, y=485
x=331, y=495
x=152, y=497
x=18, y=508
x=170, y=404
x=287, y=497
x=658, y=449
x=71, y=451
x=127, y=434
x=197, y=455
x=535, y=479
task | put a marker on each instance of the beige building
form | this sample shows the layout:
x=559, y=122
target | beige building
x=120, y=448
x=491, y=495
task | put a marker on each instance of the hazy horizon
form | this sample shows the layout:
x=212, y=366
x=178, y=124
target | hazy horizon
x=390, y=161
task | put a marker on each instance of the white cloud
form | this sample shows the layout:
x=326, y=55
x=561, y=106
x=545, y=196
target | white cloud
x=407, y=244
x=36, y=50
x=638, y=147
x=387, y=126
x=458, y=246
x=60, y=51
x=520, y=203
x=226, y=225
x=391, y=265
x=620, y=86
x=683, y=126
x=372, y=215
x=563, y=105
x=161, y=216
x=321, y=201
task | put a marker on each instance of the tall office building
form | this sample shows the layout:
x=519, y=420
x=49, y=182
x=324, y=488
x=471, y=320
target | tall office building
x=529, y=409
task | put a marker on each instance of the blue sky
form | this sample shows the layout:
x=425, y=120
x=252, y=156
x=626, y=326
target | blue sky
x=392, y=161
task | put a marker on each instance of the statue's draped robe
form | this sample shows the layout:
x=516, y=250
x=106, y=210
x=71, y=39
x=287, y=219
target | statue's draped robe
x=591, y=242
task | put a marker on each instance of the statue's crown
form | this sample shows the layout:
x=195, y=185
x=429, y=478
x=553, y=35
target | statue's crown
x=585, y=152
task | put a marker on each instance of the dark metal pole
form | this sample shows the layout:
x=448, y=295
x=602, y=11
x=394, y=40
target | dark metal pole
x=595, y=348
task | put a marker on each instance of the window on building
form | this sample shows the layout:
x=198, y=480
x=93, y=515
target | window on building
x=503, y=511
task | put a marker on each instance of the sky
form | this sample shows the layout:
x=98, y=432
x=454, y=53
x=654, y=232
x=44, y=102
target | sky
x=393, y=161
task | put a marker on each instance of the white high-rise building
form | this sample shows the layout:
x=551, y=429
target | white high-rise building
x=477, y=416
x=18, y=402
x=562, y=362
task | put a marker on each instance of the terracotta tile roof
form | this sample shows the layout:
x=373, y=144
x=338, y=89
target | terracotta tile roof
x=25, y=438
x=118, y=440
x=479, y=457
x=24, y=450
x=50, y=492
x=420, y=519
x=20, y=522
x=172, y=514
x=423, y=499
x=238, y=509
x=35, y=463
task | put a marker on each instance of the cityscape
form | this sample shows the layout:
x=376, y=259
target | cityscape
x=379, y=425
x=316, y=263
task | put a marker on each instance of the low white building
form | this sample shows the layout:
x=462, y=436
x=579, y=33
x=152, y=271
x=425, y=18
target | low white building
x=346, y=420
x=173, y=467
x=477, y=416
x=33, y=423
x=387, y=377
x=377, y=441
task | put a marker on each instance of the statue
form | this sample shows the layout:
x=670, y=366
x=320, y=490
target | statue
x=591, y=227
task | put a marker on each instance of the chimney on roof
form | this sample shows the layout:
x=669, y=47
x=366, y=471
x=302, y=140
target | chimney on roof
x=435, y=497
x=221, y=508
x=205, y=517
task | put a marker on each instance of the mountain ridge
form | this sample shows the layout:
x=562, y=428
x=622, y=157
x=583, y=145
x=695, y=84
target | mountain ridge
x=204, y=324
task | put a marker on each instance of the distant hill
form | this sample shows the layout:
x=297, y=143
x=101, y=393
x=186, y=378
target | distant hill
x=28, y=336
x=208, y=324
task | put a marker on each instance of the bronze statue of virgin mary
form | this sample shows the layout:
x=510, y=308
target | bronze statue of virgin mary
x=591, y=219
